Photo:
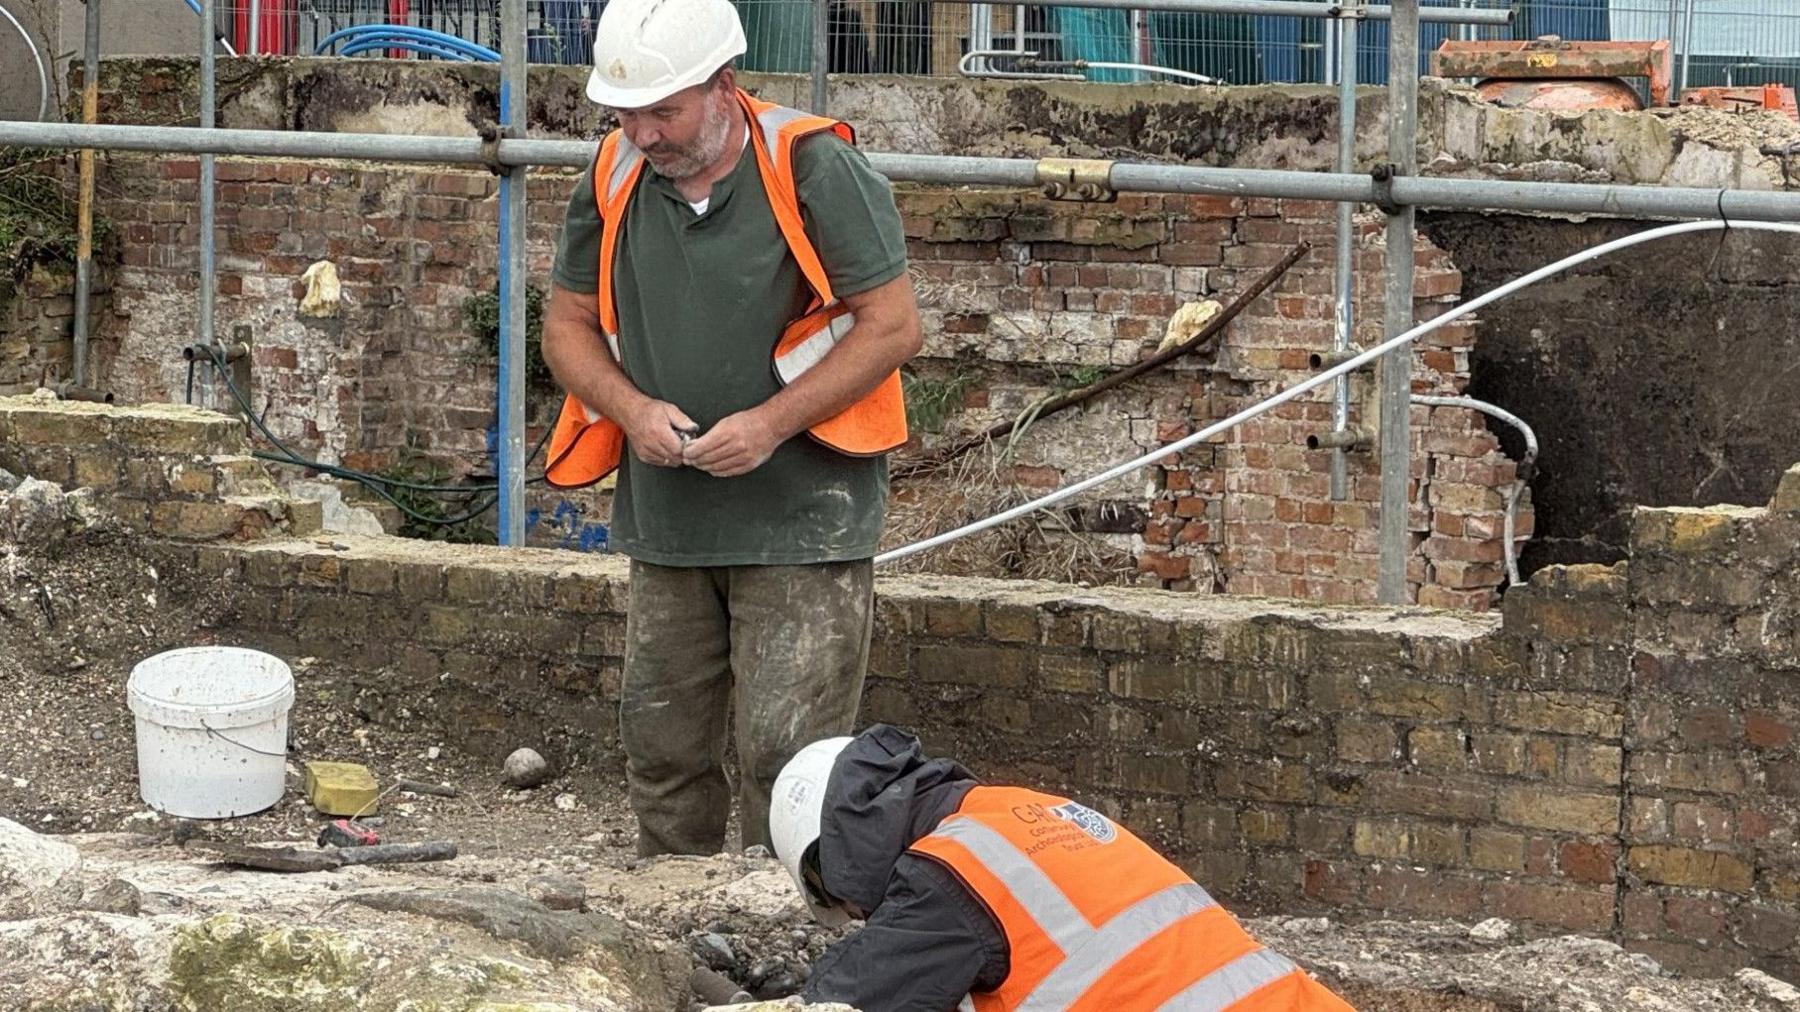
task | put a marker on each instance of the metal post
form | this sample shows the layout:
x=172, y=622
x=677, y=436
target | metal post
x=1450, y=194
x=510, y=378
x=1687, y=51
x=208, y=172
x=1396, y=367
x=84, y=252
x=255, y=46
x=1344, y=288
x=1273, y=8
x=821, y=53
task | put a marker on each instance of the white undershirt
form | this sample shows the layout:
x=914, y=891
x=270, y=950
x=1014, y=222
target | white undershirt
x=705, y=202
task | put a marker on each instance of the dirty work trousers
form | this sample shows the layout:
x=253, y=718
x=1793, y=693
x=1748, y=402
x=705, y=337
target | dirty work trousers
x=787, y=644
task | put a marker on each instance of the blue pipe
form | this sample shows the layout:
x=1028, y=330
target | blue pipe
x=424, y=35
x=381, y=42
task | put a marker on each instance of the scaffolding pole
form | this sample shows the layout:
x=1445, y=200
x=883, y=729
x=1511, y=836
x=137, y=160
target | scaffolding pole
x=203, y=335
x=821, y=53
x=510, y=375
x=1343, y=287
x=84, y=252
x=1275, y=8
x=949, y=170
x=1396, y=367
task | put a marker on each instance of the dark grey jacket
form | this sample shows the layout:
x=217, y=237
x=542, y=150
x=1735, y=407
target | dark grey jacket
x=928, y=941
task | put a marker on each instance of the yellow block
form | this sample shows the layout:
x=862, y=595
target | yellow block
x=341, y=788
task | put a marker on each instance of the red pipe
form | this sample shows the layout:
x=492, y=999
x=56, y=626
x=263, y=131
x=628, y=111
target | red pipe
x=399, y=12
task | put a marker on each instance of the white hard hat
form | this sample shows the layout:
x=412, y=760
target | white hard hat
x=795, y=806
x=647, y=50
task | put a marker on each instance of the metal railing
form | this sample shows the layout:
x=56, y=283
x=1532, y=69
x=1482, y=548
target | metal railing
x=1720, y=42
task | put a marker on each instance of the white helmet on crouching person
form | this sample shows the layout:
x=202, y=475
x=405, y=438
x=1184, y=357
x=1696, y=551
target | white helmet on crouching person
x=647, y=50
x=796, y=807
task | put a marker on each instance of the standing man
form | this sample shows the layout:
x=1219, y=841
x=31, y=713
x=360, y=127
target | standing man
x=730, y=309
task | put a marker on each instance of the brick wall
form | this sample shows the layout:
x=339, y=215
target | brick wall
x=1613, y=755
x=166, y=470
x=37, y=319
x=1025, y=293
x=1021, y=295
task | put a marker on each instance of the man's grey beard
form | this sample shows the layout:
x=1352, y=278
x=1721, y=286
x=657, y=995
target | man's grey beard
x=715, y=133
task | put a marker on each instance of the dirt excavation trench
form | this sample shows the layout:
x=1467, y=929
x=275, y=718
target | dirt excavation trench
x=106, y=904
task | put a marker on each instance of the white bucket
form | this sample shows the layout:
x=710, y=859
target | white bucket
x=211, y=730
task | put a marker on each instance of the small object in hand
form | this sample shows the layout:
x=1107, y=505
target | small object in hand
x=344, y=833
x=686, y=435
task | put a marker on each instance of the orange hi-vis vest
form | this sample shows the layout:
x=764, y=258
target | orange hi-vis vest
x=586, y=446
x=1097, y=921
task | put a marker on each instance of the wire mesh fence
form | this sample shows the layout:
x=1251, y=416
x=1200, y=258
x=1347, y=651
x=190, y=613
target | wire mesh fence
x=1721, y=42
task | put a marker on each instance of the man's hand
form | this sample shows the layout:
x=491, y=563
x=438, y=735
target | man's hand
x=653, y=430
x=739, y=444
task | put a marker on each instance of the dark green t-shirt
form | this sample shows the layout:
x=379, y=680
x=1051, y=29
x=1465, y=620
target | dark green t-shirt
x=702, y=299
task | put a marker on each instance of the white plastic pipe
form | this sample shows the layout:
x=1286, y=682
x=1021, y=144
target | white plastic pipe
x=1517, y=488
x=1314, y=382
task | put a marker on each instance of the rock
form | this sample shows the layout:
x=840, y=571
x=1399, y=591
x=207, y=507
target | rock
x=557, y=892
x=712, y=949
x=758, y=852
x=8, y=480
x=1494, y=929
x=116, y=896
x=38, y=875
x=566, y=802
x=1779, y=992
x=525, y=769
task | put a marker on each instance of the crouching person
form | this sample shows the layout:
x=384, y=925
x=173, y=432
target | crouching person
x=996, y=899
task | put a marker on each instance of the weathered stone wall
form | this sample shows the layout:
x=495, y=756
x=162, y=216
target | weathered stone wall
x=1614, y=755
x=1266, y=126
x=37, y=319
x=165, y=470
x=1022, y=295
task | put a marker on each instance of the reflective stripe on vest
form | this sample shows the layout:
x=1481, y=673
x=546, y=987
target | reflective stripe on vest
x=586, y=446
x=1123, y=930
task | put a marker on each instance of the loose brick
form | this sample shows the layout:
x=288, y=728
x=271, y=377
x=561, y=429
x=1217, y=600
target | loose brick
x=1439, y=844
x=955, y=618
x=1573, y=909
x=1363, y=740
x=1496, y=849
x=1264, y=826
x=1593, y=765
x=1700, y=919
x=1567, y=811
x=1011, y=623
x=1082, y=673
x=1682, y=866
x=1432, y=893
x=1263, y=781
x=1462, y=800
x=1560, y=713
x=974, y=665
x=1154, y=678
x=1437, y=748
x=1689, y=771
x=1588, y=862
x=1401, y=697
